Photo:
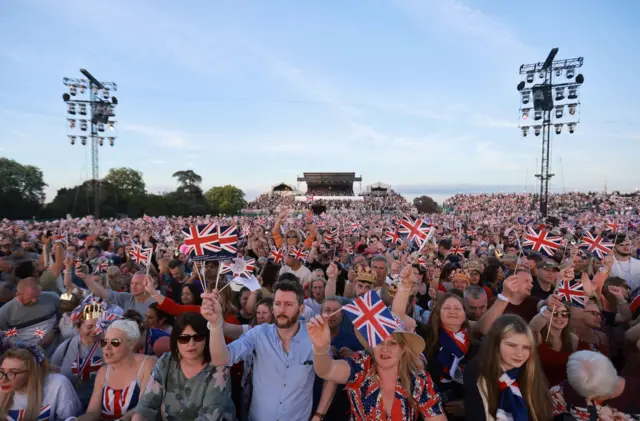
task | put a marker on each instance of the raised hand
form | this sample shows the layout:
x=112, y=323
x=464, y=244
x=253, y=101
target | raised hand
x=567, y=274
x=407, y=277
x=149, y=285
x=211, y=309
x=587, y=285
x=553, y=302
x=511, y=286
x=332, y=271
x=319, y=334
x=607, y=262
x=617, y=292
x=284, y=211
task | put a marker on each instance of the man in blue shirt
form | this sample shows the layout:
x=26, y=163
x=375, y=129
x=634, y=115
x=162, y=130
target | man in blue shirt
x=283, y=357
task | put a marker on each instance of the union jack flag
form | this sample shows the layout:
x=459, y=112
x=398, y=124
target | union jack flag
x=541, y=241
x=457, y=250
x=471, y=233
x=228, y=240
x=571, y=292
x=393, y=236
x=39, y=333
x=202, y=240
x=102, y=267
x=353, y=227
x=415, y=230
x=613, y=225
x=298, y=254
x=422, y=263
x=596, y=245
x=88, y=367
x=240, y=267
x=19, y=414
x=11, y=332
x=140, y=255
x=147, y=218
x=276, y=254
x=106, y=318
x=330, y=237
x=116, y=402
x=372, y=318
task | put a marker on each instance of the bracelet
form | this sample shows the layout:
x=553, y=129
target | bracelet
x=315, y=351
x=503, y=298
x=215, y=327
x=543, y=309
x=319, y=415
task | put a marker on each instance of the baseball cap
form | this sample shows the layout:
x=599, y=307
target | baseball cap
x=548, y=264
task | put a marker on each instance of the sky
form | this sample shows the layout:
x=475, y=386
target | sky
x=419, y=94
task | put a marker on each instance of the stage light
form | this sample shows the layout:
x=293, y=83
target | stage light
x=525, y=113
x=560, y=93
x=72, y=140
x=83, y=109
x=572, y=108
x=111, y=125
x=82, y=88
x=525, y=130
x=559, y=111
x=72, y=109
x=541, y=75
x=72, y=90
x=114, y=100
x=105, y=94
x=558, y=72
x=83, y=140
x=526, y=96
x=529, y=77
x=101, y=141
x=72, y=123
x=573, y=92
x=572, y=127
x=570, y=73
x=66, y=97
x=112, y=140
x=580, y=79
x=83, y=125
x=101, y=127
x=558, y=128
x=536, y=130
x=537, y=115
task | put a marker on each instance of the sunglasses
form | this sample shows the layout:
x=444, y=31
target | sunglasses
x=292, y=236
x=114, y=342
x=562, y=314
x=185, y=339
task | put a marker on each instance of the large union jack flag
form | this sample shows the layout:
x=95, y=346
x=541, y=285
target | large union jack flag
x=415, y=230
x=571, y=292
x=596, y=245
x=228, y=240
x=201, y=240
x=371, y=317
x=541, y=241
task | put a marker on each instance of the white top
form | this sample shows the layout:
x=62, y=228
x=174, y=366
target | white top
x=315, y=306
x=629, y=271
x=303, y=273
x=60, y=401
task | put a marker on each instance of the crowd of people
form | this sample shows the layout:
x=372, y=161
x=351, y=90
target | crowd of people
x=482, y=328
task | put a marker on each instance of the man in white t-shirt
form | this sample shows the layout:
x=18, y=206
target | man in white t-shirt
x=625, y=266
x=294, y=265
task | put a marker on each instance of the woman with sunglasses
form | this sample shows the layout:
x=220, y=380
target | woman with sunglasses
x=184, y=384
x=28, y=391
x=123, y=379
x=555, y=340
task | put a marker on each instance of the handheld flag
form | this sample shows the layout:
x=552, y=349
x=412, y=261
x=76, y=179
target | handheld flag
x=276, y=254
x=541, y=241
x=572, y=292
x=596, y=245
x=372, y=318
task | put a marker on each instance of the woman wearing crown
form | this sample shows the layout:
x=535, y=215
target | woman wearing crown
x=80, y=357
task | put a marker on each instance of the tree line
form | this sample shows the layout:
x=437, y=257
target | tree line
x=122, y=192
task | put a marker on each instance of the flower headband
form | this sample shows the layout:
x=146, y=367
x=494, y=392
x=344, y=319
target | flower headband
x=35, y=350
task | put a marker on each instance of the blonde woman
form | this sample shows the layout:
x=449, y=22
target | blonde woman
x=385, y=383
x=505, y=380
x=28, y=391
x=123, y=379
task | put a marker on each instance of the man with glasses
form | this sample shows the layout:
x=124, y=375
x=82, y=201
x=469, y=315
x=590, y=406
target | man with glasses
x=625, y=266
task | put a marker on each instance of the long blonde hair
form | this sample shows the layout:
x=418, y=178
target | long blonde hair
x=410, y=363
x=35, y=385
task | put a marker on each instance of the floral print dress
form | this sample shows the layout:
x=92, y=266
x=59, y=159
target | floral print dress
x=204, y=397
x=366, y=396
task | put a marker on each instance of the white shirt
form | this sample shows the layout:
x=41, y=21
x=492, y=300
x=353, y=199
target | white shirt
x=315, y=306
x=59, y=403
x=629, y=271
x=303, y=273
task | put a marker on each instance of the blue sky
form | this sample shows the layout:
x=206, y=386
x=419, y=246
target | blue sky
x=419, y=94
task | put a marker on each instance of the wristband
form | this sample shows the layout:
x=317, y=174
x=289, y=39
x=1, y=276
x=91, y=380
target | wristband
x=315, y=351
x=215, y=327
x=503, y=298
x=319, y=415
x=543, y=309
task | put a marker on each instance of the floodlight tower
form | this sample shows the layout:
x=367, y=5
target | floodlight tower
x=548, y=111
x=92, y=117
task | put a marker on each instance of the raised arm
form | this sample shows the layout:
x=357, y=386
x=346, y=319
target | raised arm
x=332, y=278
x=93, y=285
x=325, y=367
x=509, y=288
x=401, y=299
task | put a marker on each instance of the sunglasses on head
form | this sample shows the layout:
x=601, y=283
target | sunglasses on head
x=185, y=339
x=114, y=342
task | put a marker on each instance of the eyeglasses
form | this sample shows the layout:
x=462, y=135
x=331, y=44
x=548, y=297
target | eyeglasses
x=185, y=339
x=563, y=314
x=114, y=342
x=10, y=375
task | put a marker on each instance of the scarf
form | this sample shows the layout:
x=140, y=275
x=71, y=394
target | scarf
x=512, y=405
x=453, y=348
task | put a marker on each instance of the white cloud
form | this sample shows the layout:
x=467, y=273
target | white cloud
x=162, y=137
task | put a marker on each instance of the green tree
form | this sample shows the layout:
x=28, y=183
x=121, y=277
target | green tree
x=187, y=178
x=226, y=200
x=426, y=204
x=127, y=182
x=21, y=189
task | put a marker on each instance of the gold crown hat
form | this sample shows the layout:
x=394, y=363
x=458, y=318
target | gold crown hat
x=365, y=275
x=473, y=265
x=92, y=311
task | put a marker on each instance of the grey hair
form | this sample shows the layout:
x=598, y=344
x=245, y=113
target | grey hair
x=331, y=298
x=129, y=327
x=591, y=374
x=381, y=258
x=474, y=292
